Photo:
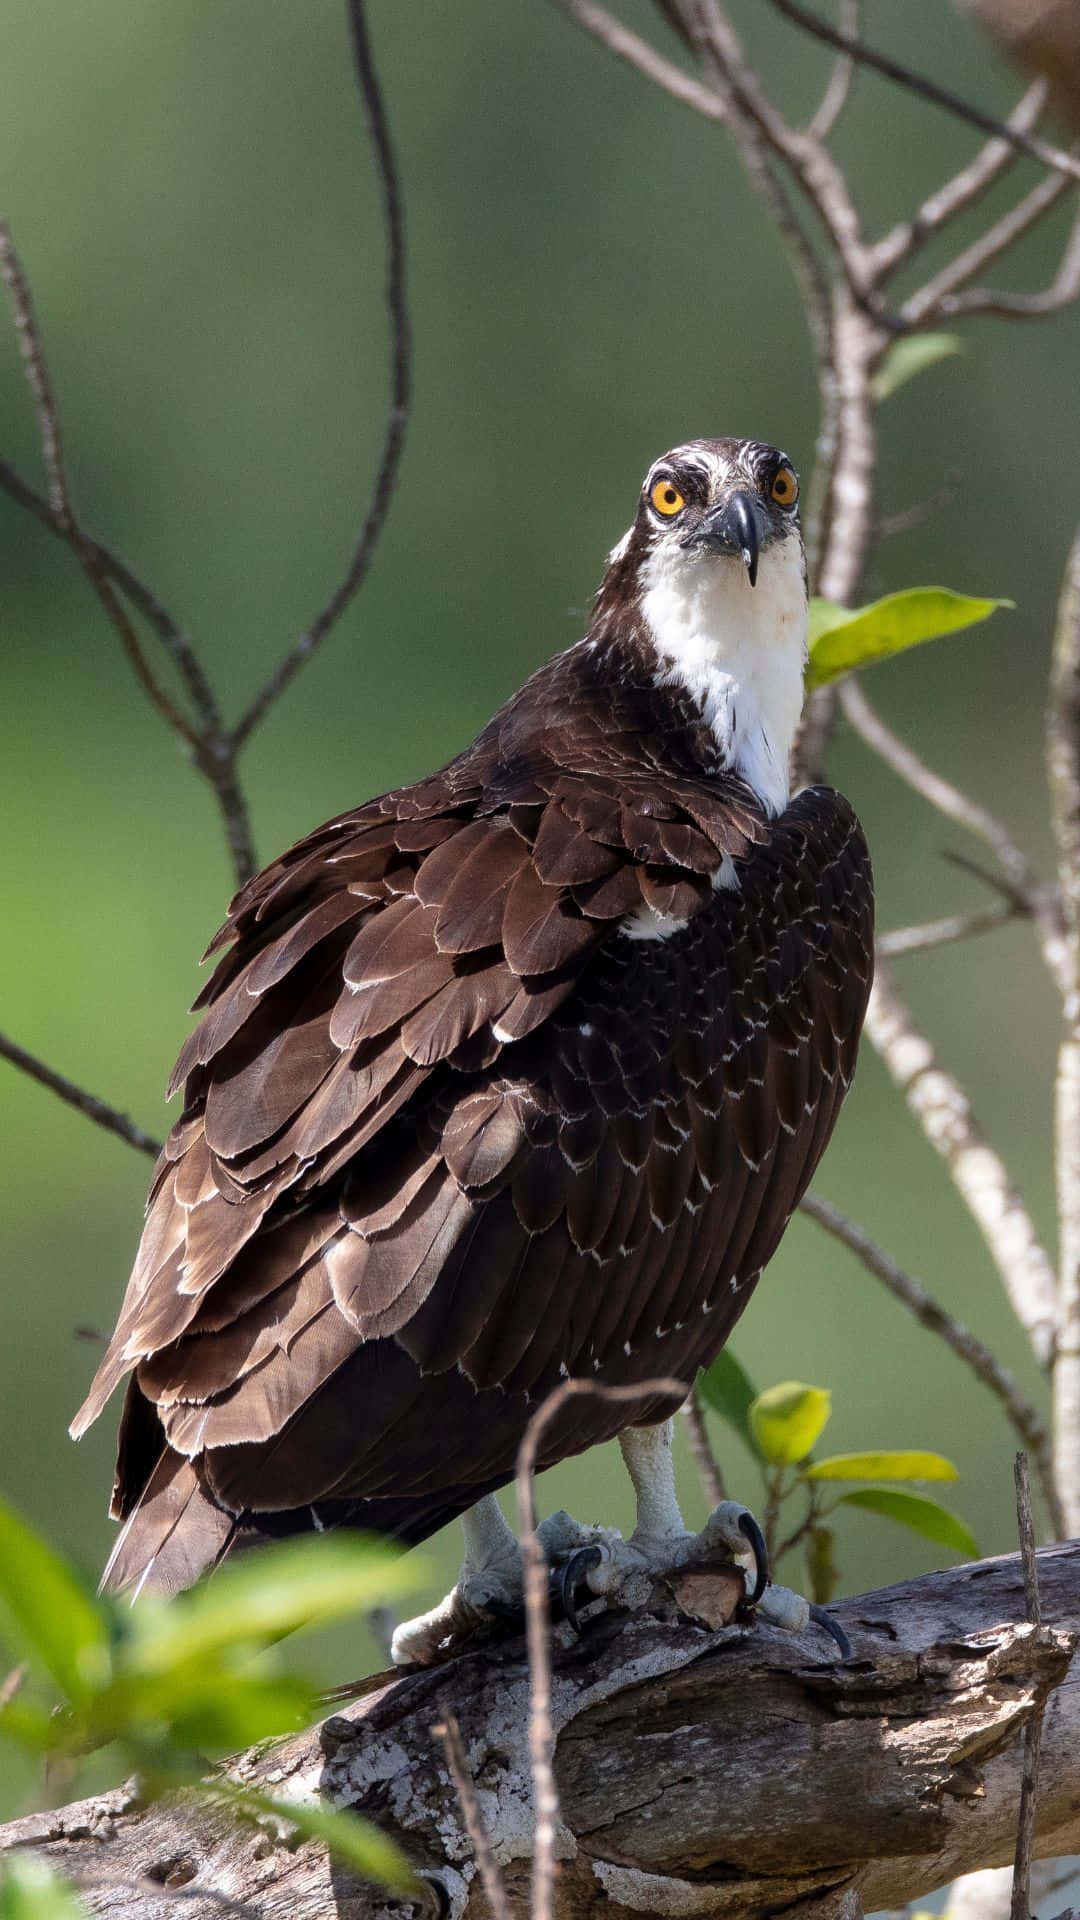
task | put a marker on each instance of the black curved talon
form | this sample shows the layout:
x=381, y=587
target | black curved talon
x=570, y=1574
x=749, y=1526
x=833, y=1629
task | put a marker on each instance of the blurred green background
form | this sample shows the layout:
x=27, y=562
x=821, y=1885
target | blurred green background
x=591, y=281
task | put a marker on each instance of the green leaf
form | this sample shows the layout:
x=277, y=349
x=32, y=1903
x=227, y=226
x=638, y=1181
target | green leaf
x=204, y=1708
x=911, y=356
x=785, y=1421
x=53, y=1615
x=895, y=1465
x=915, y=1511
x=727, y=1388
x=30, y=1890
x=264, y=1596
x=842, y=638
x=33, y=1727
x=361, y=1846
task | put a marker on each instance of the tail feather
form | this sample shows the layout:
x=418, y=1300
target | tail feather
x=174, y=1534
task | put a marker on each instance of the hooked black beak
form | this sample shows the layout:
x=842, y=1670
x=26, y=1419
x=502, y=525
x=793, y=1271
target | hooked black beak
x=732, y=527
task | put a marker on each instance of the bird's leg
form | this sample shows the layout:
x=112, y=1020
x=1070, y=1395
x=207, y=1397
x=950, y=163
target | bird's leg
x=661, y=1544
x=489, y=1581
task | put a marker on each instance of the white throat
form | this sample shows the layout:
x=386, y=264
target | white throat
x=738, y=650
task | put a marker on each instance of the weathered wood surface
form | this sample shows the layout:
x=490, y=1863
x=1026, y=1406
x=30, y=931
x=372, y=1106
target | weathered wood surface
x=701, y=1771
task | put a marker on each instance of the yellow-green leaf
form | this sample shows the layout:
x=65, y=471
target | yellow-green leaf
x=910, y=356
x=913, y=1510
x=785, y=1421
x=361, y=1846
x=727, y=1388
x=30, y=1890
x=842, y=638
x=264, y=1596
x=50, y=1611
x=895, y=1465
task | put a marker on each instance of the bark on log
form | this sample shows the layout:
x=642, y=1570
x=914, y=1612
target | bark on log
x=725, y=1771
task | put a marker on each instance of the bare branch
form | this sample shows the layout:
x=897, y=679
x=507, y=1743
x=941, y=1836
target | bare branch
x=637, y=52
x=934, y=300
x=821, y=179
x=77, y=1097
x=1040, y=902
x=448, y=1733
x=964, y=189
x=1062, y=291
x=700, y=1447
x=140, y=595
x=944, y=1112
x=930, y=1314
x=38, y=379
x=400, y=381
x=1025, y=1831
x=537, y=1633
x=940, y=96
x=933, y=787
x=214, y=754
x=834, y=99
x=1063, y=770
x=942, y=933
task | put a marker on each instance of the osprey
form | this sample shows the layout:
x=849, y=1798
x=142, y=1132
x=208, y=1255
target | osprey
x=510, y=1076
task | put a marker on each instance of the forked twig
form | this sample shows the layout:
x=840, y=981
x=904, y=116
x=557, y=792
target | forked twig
x=77, y=1097
x=930, y=1314
x=400, y=381
x=939, y=96
x=538, y=1641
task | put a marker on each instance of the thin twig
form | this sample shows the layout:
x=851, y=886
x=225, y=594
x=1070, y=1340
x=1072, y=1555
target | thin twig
x=820, y=177
x=140, y=595
x=934, y=301
x=1062, y=291
x=948, y=799
x=941, y=793
x=942, y=933
x=700, y=1447
x=977, y=1170
x=834, y=99
x=534, y=1569
x=40, y=383
x=1063, y=775
x=1029, y=1786
x=448, y=1733
x=939, y=96
x=929, y=1313
x=87, y=1103
x=400, y=380
x=963, y=189
x=213, y=752
x=637, y=52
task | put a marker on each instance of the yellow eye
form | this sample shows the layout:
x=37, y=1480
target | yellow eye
x=666, y=498
x=785, y=488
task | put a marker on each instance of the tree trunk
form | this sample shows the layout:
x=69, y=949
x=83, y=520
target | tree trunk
x=701, y=1770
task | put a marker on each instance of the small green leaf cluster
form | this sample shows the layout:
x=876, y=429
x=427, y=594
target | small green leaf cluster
x=172, y=1681
x=781, y=1426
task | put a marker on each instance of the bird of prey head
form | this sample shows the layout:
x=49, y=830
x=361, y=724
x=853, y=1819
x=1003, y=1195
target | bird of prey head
x=711, y=577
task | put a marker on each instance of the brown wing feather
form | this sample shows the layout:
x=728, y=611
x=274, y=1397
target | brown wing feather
x=447, y=1137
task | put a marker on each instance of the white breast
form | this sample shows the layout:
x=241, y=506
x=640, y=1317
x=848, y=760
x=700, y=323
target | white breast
x=738, y=650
